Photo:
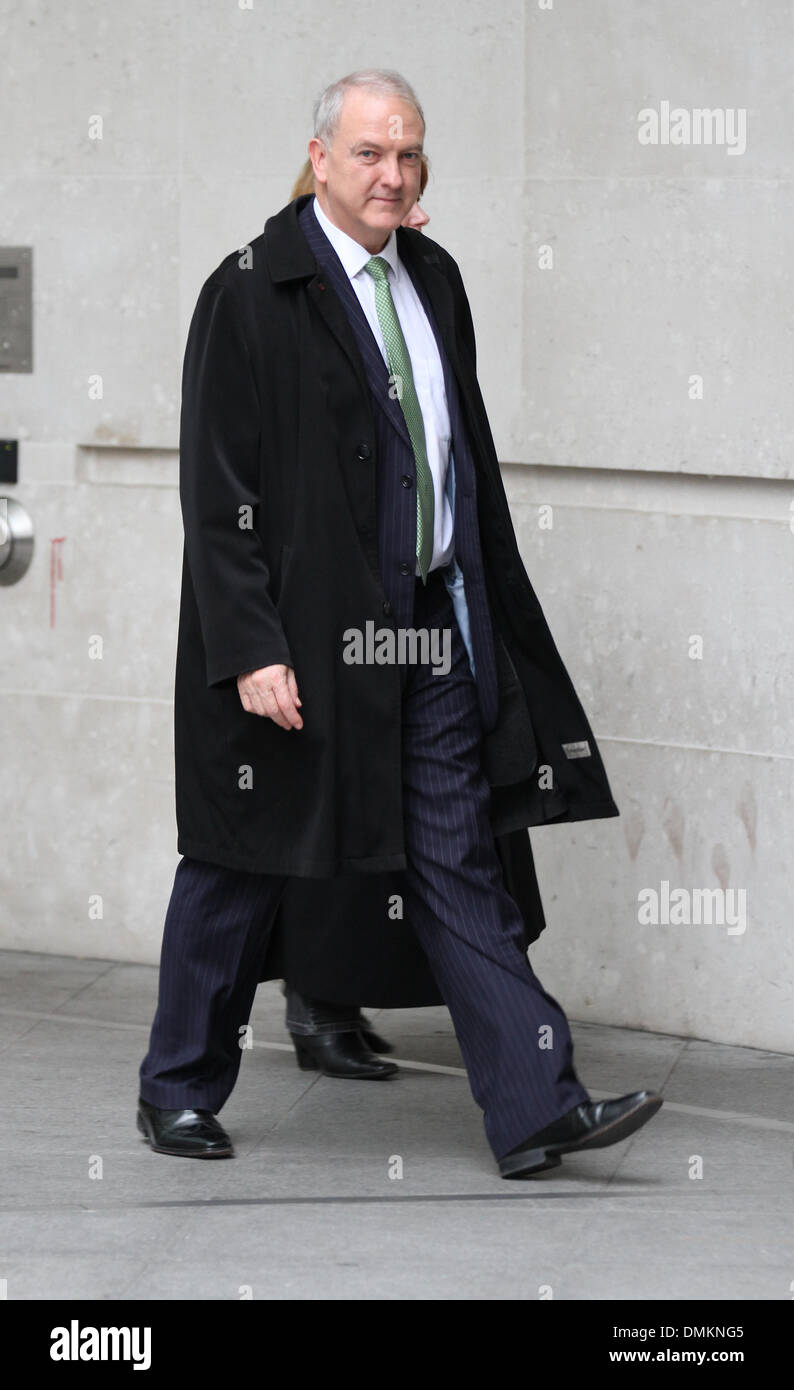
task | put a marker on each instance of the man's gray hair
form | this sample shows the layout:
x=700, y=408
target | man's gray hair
x=385, y=81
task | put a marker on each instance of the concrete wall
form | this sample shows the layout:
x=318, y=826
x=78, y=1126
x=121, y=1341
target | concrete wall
x=606, y=276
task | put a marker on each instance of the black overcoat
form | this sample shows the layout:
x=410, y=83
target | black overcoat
x=280, y=559
x=349, y=940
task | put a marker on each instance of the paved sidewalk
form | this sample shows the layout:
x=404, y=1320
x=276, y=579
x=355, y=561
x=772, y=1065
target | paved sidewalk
x=309, y=1210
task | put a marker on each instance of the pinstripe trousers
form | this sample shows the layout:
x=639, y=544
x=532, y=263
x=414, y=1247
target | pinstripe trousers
x=514, y=1037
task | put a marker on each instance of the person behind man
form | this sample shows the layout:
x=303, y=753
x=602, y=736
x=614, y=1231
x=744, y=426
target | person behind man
x=337, y=469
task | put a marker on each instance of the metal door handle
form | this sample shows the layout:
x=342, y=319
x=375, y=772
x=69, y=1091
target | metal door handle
x=16, y=540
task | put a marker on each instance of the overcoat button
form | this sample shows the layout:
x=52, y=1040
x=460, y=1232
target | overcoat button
x=363, y=451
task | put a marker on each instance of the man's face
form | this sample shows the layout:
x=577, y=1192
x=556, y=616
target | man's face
x=367, y=180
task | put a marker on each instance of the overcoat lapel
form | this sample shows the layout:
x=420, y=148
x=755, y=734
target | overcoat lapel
x=376, y=371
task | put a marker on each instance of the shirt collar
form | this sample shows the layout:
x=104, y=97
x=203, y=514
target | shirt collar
x=351, y=253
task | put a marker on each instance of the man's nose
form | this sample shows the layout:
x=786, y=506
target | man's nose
x=391, y=173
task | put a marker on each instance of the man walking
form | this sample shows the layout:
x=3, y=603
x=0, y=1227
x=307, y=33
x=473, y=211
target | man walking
x=340, y=491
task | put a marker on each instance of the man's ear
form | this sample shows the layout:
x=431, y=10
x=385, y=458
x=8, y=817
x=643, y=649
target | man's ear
x=316, y=153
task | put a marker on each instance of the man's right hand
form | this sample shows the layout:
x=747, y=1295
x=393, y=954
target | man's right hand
x=271, y=691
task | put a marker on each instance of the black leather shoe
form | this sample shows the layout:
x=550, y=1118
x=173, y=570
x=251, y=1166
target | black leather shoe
x=591, y=1125
x=340, y=1054
x=186, y=1133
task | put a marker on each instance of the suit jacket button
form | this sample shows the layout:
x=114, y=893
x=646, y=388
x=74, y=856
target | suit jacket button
x=407, y=480
x=363, y=451
x=405, y=568
x=387, y=609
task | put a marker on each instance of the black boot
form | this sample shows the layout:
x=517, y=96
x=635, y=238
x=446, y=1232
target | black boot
x=340, y=1054
x=335, y=1039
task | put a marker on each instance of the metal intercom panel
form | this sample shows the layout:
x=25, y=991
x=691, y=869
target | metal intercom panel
x=16, y=308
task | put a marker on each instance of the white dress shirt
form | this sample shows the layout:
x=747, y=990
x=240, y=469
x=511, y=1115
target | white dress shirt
x=426, y=366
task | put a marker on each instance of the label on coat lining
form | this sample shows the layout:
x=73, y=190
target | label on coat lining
x=576, y=750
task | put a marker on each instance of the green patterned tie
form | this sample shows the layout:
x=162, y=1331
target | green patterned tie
x=400, y=367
